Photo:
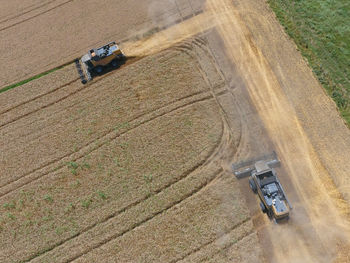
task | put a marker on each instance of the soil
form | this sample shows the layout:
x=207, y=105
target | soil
x=140, y=158
x=94, y=163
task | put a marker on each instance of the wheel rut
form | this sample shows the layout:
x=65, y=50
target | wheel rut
x=59, y=163
x=193, y=172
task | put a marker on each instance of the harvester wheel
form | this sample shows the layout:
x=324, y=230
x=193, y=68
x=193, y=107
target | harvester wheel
x=252, y=185
x=114, y=63
x=98, y=69
x=263, y=207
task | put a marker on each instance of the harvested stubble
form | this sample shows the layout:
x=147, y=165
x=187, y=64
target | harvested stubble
x=185, y=228
x=134, y=160
x=99, y=110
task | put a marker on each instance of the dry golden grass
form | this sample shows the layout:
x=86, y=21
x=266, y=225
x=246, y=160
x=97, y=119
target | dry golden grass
x=108, y=158
x=186, y=227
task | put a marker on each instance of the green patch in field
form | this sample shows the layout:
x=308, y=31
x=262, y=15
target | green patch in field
x=86, y=165
x=48, y=198
x=148, y=178
x=69, y=208
x=102, y=195
x=346, y=115
x=86, y=203
x=73, y=166
x=11, y=216
x=321, y=31
x=9, y=205
x=29, y=79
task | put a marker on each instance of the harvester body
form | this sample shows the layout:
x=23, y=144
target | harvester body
x=98, y=58
x=264, y=182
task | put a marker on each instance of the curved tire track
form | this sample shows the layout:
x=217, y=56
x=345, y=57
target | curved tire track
x=31, y=177
x=203, y=45
x=66, y=156
x=147, y=219
x=224, y=141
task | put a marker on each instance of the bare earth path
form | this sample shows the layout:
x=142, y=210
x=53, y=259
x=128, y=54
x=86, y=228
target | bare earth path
x=303, y=126
x=139, y=159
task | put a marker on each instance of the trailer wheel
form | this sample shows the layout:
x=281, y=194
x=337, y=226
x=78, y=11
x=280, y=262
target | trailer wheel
x=263, y=207
x=252, y=185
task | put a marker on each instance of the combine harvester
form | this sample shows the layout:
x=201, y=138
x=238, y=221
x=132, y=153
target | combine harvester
x=97, y=59
x=264, y=182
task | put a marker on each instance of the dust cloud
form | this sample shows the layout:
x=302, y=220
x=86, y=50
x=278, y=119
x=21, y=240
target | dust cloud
x=319, y=222
x=168, y=37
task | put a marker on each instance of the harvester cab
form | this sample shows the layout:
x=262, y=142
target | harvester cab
x=97, y=59
x=264, y=182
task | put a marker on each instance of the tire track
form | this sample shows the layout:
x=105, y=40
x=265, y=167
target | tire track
x=211, y=87
x=224, y=139
x=237, y=241
x=42, y=107
x=31, y=177
x=47, y=105
x=240, y=141
x=69, y=121
x=36, y=97
x=20, y=10
x=147, y=219
x=26, y=12
x=45, y=73
x=200, y=42
x=233, y=228
x=108, y=133
x=98, y=79
x=203, y=45
x=37, y=15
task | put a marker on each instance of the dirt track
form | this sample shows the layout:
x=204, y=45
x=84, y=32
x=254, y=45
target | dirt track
x=302, y=124
x=269, y=100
